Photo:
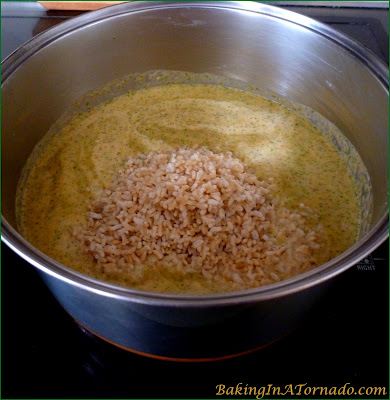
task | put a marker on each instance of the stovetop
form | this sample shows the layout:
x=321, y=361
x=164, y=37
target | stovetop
x=346, y=339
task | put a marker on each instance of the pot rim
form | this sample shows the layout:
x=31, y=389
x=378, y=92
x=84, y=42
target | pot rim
x=377, y=235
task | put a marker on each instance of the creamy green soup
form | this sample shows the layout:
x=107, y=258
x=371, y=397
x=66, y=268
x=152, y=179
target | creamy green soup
x=272, y=140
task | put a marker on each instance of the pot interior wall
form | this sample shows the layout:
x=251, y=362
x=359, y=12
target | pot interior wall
x=271, y=53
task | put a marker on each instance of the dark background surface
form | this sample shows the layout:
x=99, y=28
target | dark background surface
x=345, y=340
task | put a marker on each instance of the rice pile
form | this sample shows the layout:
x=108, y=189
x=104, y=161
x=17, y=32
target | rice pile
x=193, y=211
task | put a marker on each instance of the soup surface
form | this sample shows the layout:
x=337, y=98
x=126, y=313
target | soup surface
x=65, y=175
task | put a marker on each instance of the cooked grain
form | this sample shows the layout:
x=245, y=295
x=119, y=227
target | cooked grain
x=195, y=211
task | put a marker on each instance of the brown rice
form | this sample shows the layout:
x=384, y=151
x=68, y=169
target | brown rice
x=194, y=211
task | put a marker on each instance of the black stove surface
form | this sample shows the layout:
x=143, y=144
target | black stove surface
x=345, y=341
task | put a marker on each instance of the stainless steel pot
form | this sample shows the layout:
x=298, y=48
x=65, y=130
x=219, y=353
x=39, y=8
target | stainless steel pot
x=276, y=50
